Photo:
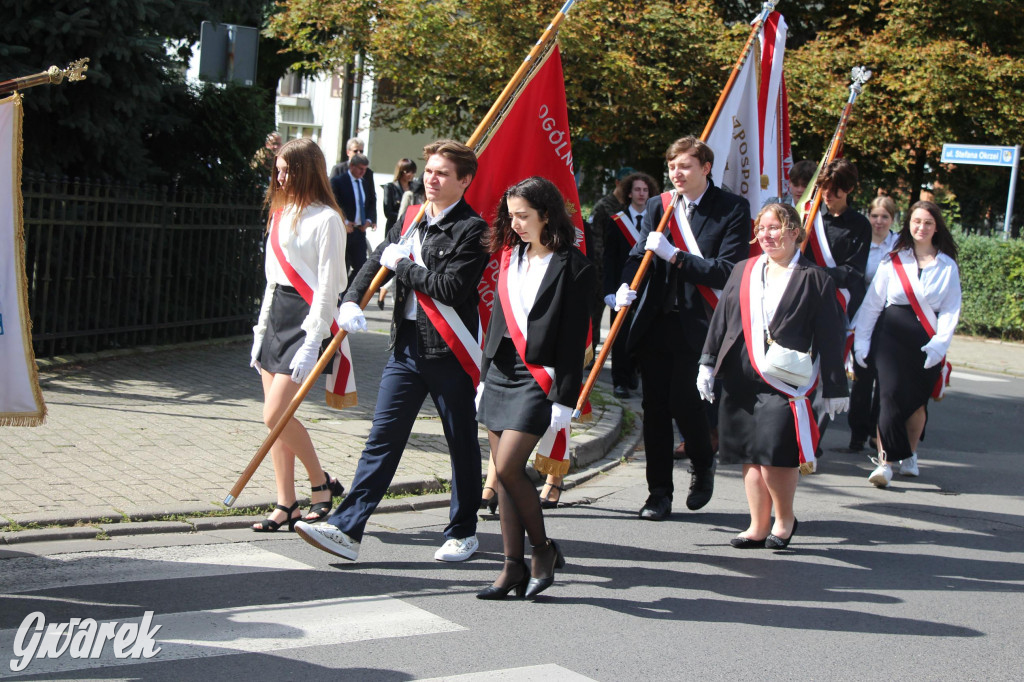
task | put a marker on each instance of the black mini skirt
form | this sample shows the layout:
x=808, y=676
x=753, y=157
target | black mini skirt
x=284, y=336
x=512, y=397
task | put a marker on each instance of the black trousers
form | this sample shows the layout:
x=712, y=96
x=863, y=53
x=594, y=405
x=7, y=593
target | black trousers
x=864, y=403
x=355, y=252
x=622, y=362
x=669, y=373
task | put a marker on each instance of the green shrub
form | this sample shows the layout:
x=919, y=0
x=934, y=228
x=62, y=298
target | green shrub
x=992, y=278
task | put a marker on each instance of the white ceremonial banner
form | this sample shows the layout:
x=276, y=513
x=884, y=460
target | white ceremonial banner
x=776, y=153
x=735, y=140
x=21, y=402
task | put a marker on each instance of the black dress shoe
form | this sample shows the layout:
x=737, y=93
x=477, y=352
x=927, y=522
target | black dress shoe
x=500, y=590
x=747, y=543
x=657, y=508
x=620, y=392
x=856, y=445
x=702, y=485
x=537, y=585
x=775, y=542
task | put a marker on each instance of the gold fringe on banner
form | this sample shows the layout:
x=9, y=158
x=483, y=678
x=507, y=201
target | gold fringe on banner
x=340, y=402
x=551, y=467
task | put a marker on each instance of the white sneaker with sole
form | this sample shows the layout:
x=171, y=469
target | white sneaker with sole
x=323, y=535
x=908, y=467
x=457, y=549
x=882, y=474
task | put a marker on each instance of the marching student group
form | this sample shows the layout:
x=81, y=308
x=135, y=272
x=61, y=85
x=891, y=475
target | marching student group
x=746, y=356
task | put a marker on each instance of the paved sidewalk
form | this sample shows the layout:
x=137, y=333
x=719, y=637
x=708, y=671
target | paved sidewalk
x=988, y=355
x=150, y=434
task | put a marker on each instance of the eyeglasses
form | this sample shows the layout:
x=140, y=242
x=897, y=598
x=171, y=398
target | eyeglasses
x=772, y=229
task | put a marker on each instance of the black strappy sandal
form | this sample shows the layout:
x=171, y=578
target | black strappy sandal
x=320, y=510
x=269, y=525
x=545, y=502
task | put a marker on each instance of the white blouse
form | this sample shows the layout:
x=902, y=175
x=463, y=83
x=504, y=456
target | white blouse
x=315, y=247
x=876, y=253
x=941, y=285
x=530, y=275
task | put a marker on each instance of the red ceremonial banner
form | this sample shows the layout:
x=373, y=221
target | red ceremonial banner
x=532, y=140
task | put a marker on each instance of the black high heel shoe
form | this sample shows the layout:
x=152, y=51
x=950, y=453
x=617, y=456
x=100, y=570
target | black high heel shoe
x=496, y=592
x=269, y=525
x=491, y=502
x=320, y=510
x=538, y=585
x=775, y=542
x=545, y=502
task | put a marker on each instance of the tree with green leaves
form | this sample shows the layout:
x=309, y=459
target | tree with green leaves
x=135, y=118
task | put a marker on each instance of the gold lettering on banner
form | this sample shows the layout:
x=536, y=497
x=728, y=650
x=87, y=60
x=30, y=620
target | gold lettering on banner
x=559, y=139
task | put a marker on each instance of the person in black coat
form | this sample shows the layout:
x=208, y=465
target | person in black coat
x=532, y=366
x=436, y=269
x=671, y=316
x=354, y=192
x=792, y=303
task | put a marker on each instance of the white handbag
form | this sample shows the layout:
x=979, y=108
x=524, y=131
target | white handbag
x=792, y=366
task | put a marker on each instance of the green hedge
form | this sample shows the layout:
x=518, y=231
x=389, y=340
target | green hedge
x=992, y=277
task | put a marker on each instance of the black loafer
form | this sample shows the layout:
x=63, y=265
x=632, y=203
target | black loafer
x=775, y=542
x=657, y=508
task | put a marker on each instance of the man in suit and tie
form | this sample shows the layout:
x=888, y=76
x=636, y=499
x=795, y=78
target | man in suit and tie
x=354, y=192
x=352, y=147
x=707, y=235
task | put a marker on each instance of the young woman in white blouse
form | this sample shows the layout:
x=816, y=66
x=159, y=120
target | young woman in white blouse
x=864, y=406
x=905, y=326
x=305, y=259
x=532, y=366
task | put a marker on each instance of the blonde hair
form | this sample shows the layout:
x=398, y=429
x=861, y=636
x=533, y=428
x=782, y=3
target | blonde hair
x=884, y=203
x=789, y=218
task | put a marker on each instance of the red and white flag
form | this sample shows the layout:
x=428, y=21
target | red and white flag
x=773, y=110
x=21, y=401
x=533, y=139
x=735, y=140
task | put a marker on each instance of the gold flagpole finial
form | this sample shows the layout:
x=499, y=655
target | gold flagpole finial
x=75, y=71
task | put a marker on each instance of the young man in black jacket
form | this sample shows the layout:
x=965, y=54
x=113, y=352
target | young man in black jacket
x=437, y=270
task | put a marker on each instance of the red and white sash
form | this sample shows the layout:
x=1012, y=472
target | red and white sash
x=341, y=384
x=751, y=312
x=446, y=320
x=626, y=227
x=553, y=449
x=901, y=263
x=683, y=238
x=822, y=254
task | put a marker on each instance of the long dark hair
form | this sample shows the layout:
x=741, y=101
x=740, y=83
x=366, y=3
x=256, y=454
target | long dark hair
x=941, y=240
x=542, y=195
x=307, y=180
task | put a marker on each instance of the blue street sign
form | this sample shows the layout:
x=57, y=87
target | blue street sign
x=979, y=155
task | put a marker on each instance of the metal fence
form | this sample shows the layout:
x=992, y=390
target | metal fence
x=115, y=266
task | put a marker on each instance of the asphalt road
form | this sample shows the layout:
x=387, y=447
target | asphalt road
x=923, y=580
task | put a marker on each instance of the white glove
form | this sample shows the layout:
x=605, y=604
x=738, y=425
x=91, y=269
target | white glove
x=609, y=301
x=933, y=358
x=304, y=360
x=834, y=406
x=561, y=416
x=479, y=395
x=394, y=253
x=624, y=297
x=257, y=344
x=706, y=383
x=661, y=246
x=861, y=356
x=350, y=317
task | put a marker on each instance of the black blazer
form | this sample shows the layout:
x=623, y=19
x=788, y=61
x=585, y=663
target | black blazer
x=616, y=252
x=721, y=225
x=556, y=328
x=346, y=197
x=849, y=240
x=454, y=256
x=809, y=319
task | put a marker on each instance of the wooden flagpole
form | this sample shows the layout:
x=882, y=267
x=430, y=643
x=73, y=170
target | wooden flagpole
x=860, y=76
x=641, y=272
x=493, y=116
x=75, y=71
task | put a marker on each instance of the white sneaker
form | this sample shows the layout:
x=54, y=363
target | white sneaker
x=457, y=549
x=323, y=535
x=908, y=467
x=882, y=474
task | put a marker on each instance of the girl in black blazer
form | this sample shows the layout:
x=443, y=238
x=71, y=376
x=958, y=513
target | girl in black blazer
x=536, y=337
x=792, y=303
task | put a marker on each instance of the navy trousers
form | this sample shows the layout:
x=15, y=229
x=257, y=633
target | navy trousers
x=405, y=384
x=355, y=252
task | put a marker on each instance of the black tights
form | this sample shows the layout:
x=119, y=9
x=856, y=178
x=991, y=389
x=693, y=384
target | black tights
x=517, y=498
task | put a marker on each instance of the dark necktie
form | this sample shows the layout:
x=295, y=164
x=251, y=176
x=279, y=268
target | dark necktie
x=637, y=221
x=690, y=209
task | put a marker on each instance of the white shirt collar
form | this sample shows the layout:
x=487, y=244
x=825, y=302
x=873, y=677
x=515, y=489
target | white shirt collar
x=696, y=202
x=432, y=219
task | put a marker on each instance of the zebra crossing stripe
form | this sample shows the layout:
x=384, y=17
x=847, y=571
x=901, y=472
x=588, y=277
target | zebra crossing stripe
x=533, y=673
x=263, y=628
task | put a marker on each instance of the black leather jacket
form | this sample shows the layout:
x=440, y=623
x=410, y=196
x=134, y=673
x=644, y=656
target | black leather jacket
x=454, y=255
